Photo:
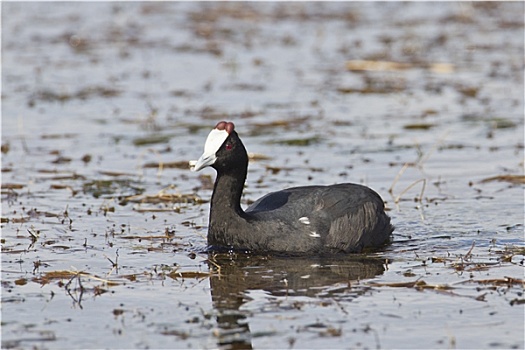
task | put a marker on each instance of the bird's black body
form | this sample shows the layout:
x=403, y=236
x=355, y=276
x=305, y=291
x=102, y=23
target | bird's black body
x=342, y=218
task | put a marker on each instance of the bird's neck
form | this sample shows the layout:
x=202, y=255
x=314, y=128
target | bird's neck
x=225, y=209
x=227, y=193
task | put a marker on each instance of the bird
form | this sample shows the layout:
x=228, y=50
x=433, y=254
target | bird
x=315, y=220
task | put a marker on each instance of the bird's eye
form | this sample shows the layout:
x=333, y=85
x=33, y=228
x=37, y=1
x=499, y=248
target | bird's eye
x=229, y=146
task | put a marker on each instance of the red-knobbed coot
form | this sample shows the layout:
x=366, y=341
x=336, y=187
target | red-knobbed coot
x=312, y=219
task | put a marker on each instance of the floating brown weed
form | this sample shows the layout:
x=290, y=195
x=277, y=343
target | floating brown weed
x=164, y=197
x=513, y=179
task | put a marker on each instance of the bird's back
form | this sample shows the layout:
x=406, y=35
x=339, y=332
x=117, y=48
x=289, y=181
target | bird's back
x=343, y=217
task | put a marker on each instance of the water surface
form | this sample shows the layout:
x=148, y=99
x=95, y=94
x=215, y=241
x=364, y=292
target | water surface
x=104, y=227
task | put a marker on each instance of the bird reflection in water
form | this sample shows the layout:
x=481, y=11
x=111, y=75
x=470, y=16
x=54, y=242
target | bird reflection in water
x=279, y=277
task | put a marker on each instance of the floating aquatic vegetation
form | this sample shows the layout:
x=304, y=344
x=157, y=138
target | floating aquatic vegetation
x=501, y=123
x=5, y=147
x=419, y=126
x=189, y=274
x=47, y=277
x=12, y=186
x=301, y=142
x=48, y=95
x=171, y=165
x=513, y=179
x=113, y=187
x=163, y=197
x=384, y=66
x=258, y=156
x=151, y=139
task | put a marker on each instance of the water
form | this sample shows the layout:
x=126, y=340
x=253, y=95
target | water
x=103, y=226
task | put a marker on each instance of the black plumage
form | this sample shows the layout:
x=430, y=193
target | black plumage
x=343, y=218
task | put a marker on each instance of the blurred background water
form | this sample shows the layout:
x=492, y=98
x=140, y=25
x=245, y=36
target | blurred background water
x=103, y=225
